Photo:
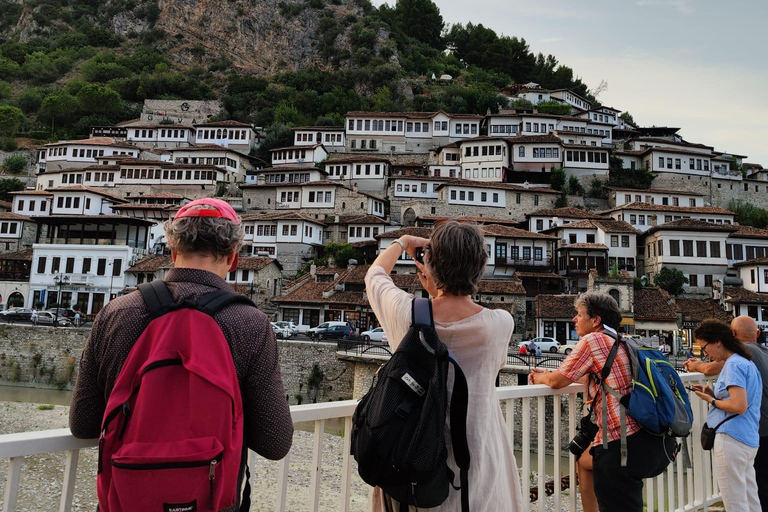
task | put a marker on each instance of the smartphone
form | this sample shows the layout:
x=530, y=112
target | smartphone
x=418, y=255
x=690, y=389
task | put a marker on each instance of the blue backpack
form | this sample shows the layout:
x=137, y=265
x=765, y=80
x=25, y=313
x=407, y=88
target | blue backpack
x=658, y=401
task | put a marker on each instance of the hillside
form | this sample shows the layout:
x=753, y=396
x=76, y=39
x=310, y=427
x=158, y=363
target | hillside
x=67, y=65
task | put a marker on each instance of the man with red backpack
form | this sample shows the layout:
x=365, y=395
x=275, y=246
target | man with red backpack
x=179, y=379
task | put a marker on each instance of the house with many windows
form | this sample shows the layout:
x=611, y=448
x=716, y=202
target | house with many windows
x=369, y=172
x=546, y=218
x=643, y=216
x=619, y=196
x=291, y=237
x=332, y=138
x=299, y=155
x=754, y=275
x=744, y=301
x=747, y=243
x=696, y=248
x=230, y=134
x=285, y=174
x=236, y=164
x=81, y=153
x=165, y=136
x=617, y=236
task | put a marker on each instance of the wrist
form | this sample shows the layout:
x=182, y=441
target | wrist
x=713, y=404
x=399, y=241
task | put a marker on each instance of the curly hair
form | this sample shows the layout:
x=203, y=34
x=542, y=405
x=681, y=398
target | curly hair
x=713, y=330
x=602, y=305
x=456, y=257
x=204, y=235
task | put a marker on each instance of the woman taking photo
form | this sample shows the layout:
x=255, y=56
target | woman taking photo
x=454, y=262
x=737, y=392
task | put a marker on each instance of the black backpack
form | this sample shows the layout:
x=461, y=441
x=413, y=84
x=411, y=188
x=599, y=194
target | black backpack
x=398, y=429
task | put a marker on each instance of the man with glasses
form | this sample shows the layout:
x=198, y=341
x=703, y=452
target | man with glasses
x=745, y=329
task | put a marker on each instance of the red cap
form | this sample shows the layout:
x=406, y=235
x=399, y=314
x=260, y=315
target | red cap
x=222, y=210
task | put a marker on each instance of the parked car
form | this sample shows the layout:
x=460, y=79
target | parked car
x=313, y=331
x=545, y=344
x=374, y=335
x=334, y=332
x=16, y=315
x=288, y=325
x=568, y=347
x=280, y=332
x=47, y=318
x=63, y=312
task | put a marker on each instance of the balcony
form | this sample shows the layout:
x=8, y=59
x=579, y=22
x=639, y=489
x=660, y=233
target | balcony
x=520, y=262
x=680, y=489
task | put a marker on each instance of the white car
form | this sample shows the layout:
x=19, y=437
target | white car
x=568, y=347
x=280, y=332
x=375, y=335
x=545, y=344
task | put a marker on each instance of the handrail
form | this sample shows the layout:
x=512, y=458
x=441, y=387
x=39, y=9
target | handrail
x=686, y=489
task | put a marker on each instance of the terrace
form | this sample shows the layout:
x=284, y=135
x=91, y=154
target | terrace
x=528, y=409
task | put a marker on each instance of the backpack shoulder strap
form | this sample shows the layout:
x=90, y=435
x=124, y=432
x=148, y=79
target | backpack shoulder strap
x=421, y=313
x=213, y=302
x=157, y=297
x=459, y=403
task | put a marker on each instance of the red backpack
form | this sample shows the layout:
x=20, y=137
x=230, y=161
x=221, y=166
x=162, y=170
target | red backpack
x=172, y=434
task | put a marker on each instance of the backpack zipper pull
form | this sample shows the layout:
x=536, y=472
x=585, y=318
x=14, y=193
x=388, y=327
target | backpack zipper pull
x=101, y=449
x=127, y=414
x=211, y=477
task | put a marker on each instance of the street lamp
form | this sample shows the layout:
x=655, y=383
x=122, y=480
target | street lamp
x=60, y=280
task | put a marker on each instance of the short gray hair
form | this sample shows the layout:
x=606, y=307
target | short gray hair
x=214, y=236
x=456, y=257
x=602, y=305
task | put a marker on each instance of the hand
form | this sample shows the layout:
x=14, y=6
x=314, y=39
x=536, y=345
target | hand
x=534, y=373
x=426, y=279
x=412, y=243
x=692, y=364
x=703, y=392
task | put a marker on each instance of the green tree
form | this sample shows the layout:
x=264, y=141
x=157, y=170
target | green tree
x=671, y=280
x=10, y=120
x=10, y=185
x=748, y=214
x=15, y=164
x=627, y=117
x=421, y=20
x=59, y=107
x=97, y=99
x=574, y=186
x=557, y=179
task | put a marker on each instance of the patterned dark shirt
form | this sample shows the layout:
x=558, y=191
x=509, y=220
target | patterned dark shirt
x=268, y=424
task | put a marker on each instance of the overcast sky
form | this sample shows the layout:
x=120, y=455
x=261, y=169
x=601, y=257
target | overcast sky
x=700, y=65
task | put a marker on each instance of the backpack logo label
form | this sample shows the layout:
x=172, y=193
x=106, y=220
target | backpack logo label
x=180, y=507
x=415, y=386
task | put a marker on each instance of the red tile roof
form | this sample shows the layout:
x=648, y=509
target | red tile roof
x=13, y=216
x=667, y=208
x=277, y=215
x=83, y=188
x=509, y=232
x=654, y=304
x=499, y=287
x=229, y=123
x=566, y=212
x=24, y=255
x=740, y=295
x=698, y=310
x=151, y=263
x=753, y=261
x=413, y=231
x=467, y=218
x=750, y=232
x=692, y=225
x=555, y=306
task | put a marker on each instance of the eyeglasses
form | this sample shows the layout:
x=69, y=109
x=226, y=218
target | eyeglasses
x=704, y=347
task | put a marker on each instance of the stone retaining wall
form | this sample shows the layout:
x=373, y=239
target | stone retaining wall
x=50, y=358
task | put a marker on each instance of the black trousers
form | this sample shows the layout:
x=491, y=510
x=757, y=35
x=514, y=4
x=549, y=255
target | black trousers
x=620, y=489
x=761, y=473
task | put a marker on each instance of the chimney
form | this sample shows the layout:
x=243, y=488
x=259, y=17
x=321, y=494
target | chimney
x=313, y=271
x=354, y=187
x=260, y=180
x=331, y=262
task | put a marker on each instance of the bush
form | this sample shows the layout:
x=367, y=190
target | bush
x=671, y=280
x=30, y=99
x=45, y=407
x=10, y=144
x=15, y=164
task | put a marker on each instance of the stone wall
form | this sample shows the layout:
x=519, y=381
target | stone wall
x=50, y=358
x=722, y=190
x=40, y=356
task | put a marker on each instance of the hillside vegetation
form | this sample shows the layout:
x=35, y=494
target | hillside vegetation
x=67, y=65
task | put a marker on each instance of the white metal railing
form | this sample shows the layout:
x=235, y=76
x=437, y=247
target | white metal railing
x=679, y=489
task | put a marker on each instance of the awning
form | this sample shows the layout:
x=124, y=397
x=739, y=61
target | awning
x=627, y=320
x=656, y=326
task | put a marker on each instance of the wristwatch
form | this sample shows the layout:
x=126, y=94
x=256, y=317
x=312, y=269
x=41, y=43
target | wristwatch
x=400, y=243
x=713, y=404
